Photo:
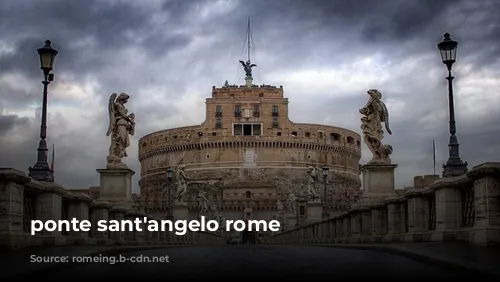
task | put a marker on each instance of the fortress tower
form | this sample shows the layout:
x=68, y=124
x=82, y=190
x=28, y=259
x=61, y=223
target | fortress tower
x=247, y=155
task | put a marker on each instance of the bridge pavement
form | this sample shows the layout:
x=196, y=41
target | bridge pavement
x=259, y=261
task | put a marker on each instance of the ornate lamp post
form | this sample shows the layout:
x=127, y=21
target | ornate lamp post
x=170, y=178
x=326, y=214
x=41, y=170
x=454, y=166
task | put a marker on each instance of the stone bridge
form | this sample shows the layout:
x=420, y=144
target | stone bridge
x=23, y=199
x=449, y=229
x=465, y=208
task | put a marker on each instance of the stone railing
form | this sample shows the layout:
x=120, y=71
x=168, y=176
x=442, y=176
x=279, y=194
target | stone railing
x=23, y=199
x=463, y=208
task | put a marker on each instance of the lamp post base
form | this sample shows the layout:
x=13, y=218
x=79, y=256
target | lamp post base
x=41, y=172
x=454, y=167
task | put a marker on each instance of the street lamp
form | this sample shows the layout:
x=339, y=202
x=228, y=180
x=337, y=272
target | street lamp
x=169, y=178
x=41, y=170
x=326, y=214
x=454, y=166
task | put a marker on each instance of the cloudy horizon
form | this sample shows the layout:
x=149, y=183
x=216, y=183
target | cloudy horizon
x=168, y=54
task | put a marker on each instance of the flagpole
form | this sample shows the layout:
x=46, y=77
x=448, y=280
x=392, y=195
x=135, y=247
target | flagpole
x=434, y=156
x=53, y=156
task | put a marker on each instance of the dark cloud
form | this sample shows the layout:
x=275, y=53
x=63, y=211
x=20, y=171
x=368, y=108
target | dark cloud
x=168, y=54
x=7, y=122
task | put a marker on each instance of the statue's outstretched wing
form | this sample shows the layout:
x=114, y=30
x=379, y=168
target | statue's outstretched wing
x=253, y=65
x=243, y=63
x=385, y=117
x=111, y=110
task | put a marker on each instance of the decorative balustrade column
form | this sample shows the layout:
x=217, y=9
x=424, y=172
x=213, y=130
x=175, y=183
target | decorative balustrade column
x=486, y=179
x=119, y=236
x=100, y=212
x=379, y=221
x=79, y=209
x=394, y=218
x=12, y=233
x=48, y=206
x=355, y=224
x=448, y=205
x=416, y=215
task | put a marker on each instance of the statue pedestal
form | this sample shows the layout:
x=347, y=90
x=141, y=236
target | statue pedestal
x=116, y=186
x=180, y=211
x=248, y=81
x=378, y=180
x=314, y=211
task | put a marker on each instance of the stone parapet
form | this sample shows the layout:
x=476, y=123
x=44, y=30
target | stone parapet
x=23, y=199
x=463, y=208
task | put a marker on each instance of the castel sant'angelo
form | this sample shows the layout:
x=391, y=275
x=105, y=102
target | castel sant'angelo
x=249, y=160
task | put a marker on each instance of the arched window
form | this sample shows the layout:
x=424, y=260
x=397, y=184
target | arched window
x=248, y=194
x=350, y=140
x=334, y=137
x=302, y=210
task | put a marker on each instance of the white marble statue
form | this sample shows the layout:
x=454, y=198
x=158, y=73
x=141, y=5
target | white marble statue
x=292, y=203
x=215, y=213
x=374, y=114
x=121, y=125
x=182, y=183
x=279, y=214
x=203, y=202
x=312, y=189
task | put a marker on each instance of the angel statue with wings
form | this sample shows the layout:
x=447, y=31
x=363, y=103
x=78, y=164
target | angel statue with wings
x=248, y=67
x=121, y=125
x=375, y=113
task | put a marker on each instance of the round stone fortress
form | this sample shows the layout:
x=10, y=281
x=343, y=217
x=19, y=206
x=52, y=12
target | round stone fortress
x=247, y=155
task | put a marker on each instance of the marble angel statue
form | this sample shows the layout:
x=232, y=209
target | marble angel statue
x=292, y=202
x=374, y=114
x=215, y=213
x=203, y=202
x=311, y=184
x=121, y=125
x=182, y=183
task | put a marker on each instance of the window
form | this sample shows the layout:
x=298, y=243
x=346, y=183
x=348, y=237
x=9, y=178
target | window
x=335, y=137
x=248, y=194
x=275, y=111
x=218, y=111
x=218, y=123
x=275, y=122
x=308, y=134
x=237, y=111
x=302, y=210
x=248, y=129
x=294, y=133
x=350, y=140
x=279, y=133
x=320, y=134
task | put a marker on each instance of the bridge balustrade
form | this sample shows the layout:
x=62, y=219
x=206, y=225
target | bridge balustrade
x=463, y=208
x=23, y=199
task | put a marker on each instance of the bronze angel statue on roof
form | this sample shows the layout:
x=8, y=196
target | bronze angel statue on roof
x=248, y=67
x=121, y=125
x=375, y=113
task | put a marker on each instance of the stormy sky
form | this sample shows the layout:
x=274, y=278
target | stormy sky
x=168, y=54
